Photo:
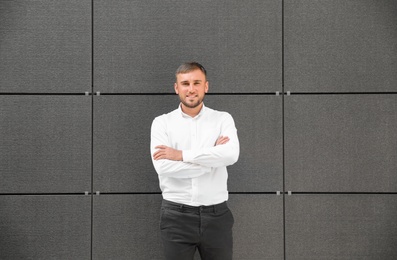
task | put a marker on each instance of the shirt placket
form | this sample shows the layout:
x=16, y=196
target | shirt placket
x=194, y=145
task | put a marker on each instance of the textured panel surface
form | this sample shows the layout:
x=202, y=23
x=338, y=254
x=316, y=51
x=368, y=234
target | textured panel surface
x=258, y=226
x=139, y=44
x=45, y=227
x=340, y=45
x=127, y=227
x=345, y=143
x=341, y=227
x=122, y=124
x=45, y=46
x=259, y=124
x=45, y=144
x=122, y=137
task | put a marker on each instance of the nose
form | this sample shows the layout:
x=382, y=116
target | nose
x=191, y=87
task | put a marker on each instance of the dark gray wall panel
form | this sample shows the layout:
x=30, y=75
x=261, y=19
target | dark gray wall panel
x=139, y=44
x=259, y=124
x=46, y=144
x=122, y=137
x=341, y=227
x=127, y=227
x=340, y=45
x=45, y=46
x=258, y=226
x=122, y=125
x=45, y=227
x=341, y=143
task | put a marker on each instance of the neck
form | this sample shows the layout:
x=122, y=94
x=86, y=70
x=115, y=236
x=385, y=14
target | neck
x=192, y=112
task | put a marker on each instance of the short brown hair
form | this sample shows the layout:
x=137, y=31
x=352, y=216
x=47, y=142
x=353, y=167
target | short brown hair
x=190, y=66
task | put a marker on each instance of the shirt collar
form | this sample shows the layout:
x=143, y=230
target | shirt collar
x=202, y=111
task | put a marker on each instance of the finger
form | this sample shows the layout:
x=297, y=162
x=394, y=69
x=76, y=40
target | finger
x=157, y=154
x=224, y=138
x=158, y=157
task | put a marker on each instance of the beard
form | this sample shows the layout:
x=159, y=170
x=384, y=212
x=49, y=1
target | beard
x=194, y=104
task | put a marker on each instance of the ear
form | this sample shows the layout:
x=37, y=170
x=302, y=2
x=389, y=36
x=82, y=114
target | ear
x=206, y=87
x=176, y=88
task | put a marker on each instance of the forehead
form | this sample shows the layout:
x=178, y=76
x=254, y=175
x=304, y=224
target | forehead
x=194, y=75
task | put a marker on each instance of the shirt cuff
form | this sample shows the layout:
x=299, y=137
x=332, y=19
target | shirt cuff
x=187, y=156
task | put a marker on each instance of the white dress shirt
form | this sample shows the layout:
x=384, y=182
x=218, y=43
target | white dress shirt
x=201, y=178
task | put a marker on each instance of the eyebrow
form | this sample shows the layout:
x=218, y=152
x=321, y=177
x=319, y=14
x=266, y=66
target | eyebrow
x=186, y=81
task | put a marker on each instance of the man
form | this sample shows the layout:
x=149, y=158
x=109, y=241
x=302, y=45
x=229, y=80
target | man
x=191, y=147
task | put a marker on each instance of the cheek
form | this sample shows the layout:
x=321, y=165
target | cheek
x=179, y=91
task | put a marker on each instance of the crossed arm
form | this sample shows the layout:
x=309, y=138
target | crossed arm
x=166, y=152
x=191, y=163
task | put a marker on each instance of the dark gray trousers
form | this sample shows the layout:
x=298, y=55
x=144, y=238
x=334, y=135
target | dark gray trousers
x=206, y=228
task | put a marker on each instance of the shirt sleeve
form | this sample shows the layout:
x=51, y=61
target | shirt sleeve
x=220, y=155
x=169, y=168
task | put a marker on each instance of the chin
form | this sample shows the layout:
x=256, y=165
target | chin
x=192, y=105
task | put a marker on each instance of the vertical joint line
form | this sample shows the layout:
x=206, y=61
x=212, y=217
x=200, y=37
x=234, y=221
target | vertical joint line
x=92, y=128
x=283, y=114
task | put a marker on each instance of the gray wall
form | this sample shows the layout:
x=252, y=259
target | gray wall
x=312, y=86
